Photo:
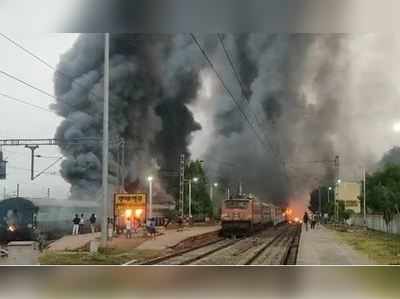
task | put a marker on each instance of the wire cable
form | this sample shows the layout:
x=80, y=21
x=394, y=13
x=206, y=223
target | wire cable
x=27, y=84
x=227, y=89
x=25, y=102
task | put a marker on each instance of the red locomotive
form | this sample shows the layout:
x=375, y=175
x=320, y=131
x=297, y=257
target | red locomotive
x=245, y=214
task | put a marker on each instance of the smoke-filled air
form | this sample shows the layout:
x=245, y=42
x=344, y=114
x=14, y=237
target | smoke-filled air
x=307, y=98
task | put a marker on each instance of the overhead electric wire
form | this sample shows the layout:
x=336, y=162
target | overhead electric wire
x=41, y=60
x=242, y=88
x=25, y=102
x=27, y=84
x=227, y=89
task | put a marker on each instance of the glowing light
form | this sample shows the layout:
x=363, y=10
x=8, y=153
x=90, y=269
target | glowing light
x=150, y=178
x=296, y=219
x=128, y=213
x=396, y=127
x=215, y=184
x=11, y=228
x=138, y=213
x=195, y=180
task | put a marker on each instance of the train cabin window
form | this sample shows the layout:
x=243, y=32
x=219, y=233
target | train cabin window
x=236, y=204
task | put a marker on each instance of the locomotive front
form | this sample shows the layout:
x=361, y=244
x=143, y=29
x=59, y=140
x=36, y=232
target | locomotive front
x=17, y=219
x=236, y=216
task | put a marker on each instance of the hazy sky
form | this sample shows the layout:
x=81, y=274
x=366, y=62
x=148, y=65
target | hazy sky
x=22, y=121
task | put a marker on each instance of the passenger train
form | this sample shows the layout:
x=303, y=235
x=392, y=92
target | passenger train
x=24, y=219
x=245, y=214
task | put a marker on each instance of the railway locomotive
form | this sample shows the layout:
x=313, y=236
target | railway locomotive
x=17, y=219
x=245, y=214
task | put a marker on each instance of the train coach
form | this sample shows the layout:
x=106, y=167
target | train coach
x=245, y=214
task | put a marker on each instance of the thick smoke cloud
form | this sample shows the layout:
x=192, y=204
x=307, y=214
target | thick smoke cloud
x=315, y=97
x=152, y=78
x=310, y=97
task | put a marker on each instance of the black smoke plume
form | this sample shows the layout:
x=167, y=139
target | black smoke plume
x=152, y=78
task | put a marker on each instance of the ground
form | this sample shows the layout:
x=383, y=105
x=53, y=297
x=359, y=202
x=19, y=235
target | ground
x=322, y=246
x=74, y=250
x=109, y=256
x=381, y=247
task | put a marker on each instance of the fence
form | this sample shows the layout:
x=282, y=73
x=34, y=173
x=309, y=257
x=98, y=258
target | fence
x=376, y=222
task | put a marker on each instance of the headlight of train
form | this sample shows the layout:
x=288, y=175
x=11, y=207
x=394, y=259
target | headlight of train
x=11, y=228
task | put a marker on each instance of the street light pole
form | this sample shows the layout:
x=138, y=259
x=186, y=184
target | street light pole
x=190, y=198
x=365, y=196
x=150, y=180
x=104, y=229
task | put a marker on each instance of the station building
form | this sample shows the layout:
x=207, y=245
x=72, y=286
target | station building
x=349, y=193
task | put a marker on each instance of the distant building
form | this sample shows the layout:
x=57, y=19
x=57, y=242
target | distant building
x=349, y=193
x=162, y=202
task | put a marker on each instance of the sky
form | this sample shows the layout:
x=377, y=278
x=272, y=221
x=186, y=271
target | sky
x=22, y=121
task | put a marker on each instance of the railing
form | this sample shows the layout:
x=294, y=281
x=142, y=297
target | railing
x=376, y=222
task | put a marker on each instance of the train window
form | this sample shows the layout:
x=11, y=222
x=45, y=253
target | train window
x=236, y=204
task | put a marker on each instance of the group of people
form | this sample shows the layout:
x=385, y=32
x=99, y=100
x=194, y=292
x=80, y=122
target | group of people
x=314, y=220
x=79, y=223
x=132, y=225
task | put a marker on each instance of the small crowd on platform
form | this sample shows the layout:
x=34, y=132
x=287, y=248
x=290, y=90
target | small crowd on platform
x=314, y=219
x=79, y=224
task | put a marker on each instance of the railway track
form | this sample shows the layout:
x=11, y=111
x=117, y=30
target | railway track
x=273, y=246
x=276, y=250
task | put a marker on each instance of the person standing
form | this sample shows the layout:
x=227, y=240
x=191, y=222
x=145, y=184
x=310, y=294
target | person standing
x=313, y=221
x=75, y=228
x=92, y=220
x=153, y=228
x=305, y=220
x=128, y=228
x=81, y=223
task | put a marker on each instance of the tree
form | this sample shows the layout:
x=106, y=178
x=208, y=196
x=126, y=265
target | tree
x=327, y=206
x=383, y=190
x=201, y=203
x=391, y=157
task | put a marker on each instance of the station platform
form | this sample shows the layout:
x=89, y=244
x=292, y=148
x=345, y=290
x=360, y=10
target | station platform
x=172, y=237
x=164, y=239
x=71, y=242
x=321, y=246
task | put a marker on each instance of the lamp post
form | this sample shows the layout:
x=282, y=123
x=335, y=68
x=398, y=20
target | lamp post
x=212, y=190
x=364, y=196
x=335, y=202
x=190, y=195
x=150, y=180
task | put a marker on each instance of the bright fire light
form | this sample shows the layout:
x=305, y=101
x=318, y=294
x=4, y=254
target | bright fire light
x=128, y=213
x=296, y=219
x=138, y=212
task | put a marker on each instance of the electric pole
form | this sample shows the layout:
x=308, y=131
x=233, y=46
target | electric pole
x=104, y=229
x=181, y=182
x=32, y=148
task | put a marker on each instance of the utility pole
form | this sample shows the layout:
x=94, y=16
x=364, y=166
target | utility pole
x=228, y=193
x=319, y=200
x=32, y=148
x=104, y=229
x=150, y=180
x=364, y=197
x=4, y=192
x=190, y=198
x=123, y=164
x=181, y=182
x=336, y=210
x=17, y=190
x=48, y=193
